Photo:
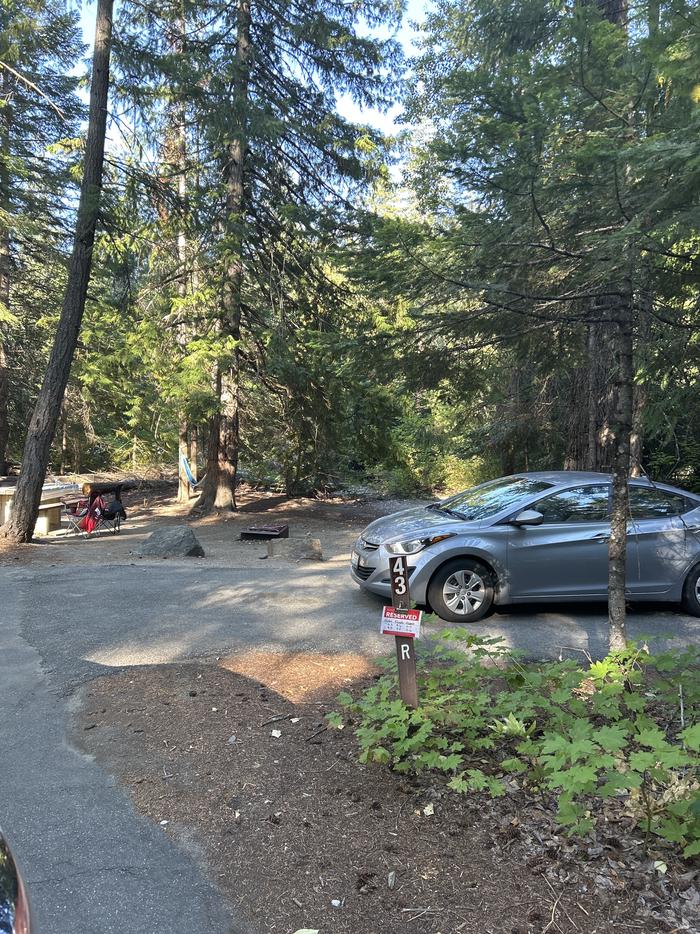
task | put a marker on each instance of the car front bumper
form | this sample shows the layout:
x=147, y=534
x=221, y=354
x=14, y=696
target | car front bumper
x=371, y=571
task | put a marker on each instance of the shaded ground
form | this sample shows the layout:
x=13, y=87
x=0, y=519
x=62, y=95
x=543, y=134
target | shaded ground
x=91, y=603
x=298, y=834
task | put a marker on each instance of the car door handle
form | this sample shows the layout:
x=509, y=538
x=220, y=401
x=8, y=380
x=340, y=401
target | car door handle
x=601, y=537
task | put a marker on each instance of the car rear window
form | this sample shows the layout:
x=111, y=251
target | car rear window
x=650, y=503
x=484, y=501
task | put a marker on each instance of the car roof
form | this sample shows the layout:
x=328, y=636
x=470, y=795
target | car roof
x=566, y=476
x=572, y=477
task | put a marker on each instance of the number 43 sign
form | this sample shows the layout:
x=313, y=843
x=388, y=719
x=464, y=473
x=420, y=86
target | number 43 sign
x=402, y=622
x=399, y=583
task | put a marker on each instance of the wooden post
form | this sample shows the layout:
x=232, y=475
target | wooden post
x=406, y=660
x=405, y=646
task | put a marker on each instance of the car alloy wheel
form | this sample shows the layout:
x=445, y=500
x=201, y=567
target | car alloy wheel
x=461, y=591
x=464, y=592
x=691, y=592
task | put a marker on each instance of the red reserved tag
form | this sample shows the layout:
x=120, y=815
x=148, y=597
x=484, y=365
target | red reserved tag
x=401, y=622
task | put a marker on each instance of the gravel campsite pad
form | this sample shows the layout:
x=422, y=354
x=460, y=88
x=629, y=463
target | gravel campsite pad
x=234, y=760
x=336, y=520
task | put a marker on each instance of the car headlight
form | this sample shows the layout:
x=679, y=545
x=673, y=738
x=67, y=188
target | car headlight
x=415, y=544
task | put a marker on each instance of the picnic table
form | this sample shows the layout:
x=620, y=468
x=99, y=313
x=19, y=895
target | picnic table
x=50, y=507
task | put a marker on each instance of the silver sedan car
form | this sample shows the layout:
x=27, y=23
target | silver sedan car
x=535, y=537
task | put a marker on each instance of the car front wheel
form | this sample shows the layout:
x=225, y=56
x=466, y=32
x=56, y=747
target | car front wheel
x=461, y=591
x=691, y=592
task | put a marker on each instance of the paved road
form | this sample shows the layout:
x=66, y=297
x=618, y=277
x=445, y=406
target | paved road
x=95, y=866
x=143, y=613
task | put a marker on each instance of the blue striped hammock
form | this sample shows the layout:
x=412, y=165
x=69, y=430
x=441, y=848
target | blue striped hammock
x=188, y=473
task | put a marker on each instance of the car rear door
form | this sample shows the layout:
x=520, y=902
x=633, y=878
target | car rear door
x=661, y=540
x=567, y=555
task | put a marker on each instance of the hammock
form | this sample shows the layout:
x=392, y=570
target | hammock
x=188, y=473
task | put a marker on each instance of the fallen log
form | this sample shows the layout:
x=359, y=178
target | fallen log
x=91, y=489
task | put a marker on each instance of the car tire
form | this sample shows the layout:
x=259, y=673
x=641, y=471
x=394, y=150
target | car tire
x=691, y=592
x=472, y=586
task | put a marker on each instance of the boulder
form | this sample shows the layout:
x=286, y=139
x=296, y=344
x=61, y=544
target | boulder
x=294, y=549
x=178, y=541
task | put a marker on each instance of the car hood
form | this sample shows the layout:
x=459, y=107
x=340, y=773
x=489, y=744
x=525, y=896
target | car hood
x=416, y=522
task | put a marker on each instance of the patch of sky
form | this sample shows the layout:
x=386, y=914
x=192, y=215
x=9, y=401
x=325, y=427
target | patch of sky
x=388, y=122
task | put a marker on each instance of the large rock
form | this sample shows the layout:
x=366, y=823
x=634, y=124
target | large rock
x=178, y=541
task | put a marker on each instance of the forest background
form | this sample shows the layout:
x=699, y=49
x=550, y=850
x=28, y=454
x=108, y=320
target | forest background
x=282, y=291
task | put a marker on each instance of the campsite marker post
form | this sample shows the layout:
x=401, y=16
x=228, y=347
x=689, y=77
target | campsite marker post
x=403, y=623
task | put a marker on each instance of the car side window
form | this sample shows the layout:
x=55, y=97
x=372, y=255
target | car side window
x=648, y=503
x=580, y=504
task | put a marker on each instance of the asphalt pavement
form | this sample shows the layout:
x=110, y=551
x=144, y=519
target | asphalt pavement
x=88, y=620
x=93, y=865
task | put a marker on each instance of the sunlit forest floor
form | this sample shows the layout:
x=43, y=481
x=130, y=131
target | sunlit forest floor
x=336, y=522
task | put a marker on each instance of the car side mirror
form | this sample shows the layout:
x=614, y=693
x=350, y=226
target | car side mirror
x=528, y=517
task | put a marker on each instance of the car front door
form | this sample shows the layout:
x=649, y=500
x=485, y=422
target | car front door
x=567, y=555
x=660, y=538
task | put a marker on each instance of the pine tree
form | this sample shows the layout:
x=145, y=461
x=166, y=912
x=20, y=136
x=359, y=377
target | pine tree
x=549, y=210
x=39, y=44
x=278, y=168
x=46, y=413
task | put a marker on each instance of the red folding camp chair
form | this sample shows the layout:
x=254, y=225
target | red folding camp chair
x=89, y=515
x=75, y=511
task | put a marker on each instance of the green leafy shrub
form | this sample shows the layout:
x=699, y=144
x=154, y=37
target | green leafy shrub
x=623, y=728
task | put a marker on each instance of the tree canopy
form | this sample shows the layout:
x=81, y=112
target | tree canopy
x=511, y=282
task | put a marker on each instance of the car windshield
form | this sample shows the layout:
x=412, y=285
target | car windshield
x=482, y=502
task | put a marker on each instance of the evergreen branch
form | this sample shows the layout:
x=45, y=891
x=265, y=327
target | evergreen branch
x=34, y=87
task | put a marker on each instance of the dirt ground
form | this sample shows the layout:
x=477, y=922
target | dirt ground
x=235, y=761
x=334, y=521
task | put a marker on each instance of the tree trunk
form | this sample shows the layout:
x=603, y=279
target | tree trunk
x=617, y=12
x=77, y=456
x=64, y=442
x=183, y=489
x=643, y=301
x=42, y=426
x=637, y=435
x=5, y=262
x=624, y=373
x=215, y=464
x=600, y=394
x=593, y=398
x=653, y=16
x=4, y=421
x=192, y=449
x=177, y=142
x=219, y=489
x=4, y=395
